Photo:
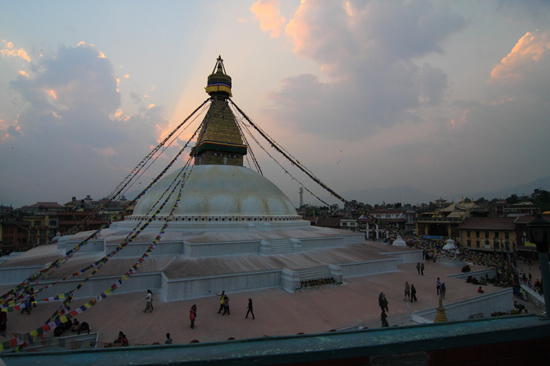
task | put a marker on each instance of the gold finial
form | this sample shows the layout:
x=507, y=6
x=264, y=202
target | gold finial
x=219, y=82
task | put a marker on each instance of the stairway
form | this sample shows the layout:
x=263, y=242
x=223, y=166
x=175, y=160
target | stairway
x=277, y=246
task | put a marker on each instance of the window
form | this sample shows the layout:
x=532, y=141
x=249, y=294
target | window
x=496, y=235
x=469, y=243
x=478, y=244
x=506, y=235
x=53, y=222
x=477, y=235
x=497, y=245
x=468, y=233
x=36, y=223
x=42, y=240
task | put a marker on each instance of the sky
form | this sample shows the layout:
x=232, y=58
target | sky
x=446, y=97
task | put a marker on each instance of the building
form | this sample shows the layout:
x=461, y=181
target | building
x=42, y=221
x=43, y=226
x=89, y=220
x=497, y=234
x=401, y=220
x=14, y=234
x=444, y=222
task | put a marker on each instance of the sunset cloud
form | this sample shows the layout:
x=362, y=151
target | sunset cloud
x=367, y=51
x=10, y=51
x=73, y=93
x=269, y=16
x=530, y=49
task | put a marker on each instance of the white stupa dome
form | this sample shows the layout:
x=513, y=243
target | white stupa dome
x=450, y=245
x=219, y=193
x=399, y=242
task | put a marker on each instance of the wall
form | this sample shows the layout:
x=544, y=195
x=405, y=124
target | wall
x=479, y=304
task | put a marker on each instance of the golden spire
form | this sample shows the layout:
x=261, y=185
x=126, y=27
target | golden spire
x=220, y=141
x=440, y=317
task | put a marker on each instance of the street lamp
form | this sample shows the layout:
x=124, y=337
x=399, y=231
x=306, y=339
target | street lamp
x=538, y=232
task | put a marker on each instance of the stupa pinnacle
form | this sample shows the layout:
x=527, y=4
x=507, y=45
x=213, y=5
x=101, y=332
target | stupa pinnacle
x=220, y=141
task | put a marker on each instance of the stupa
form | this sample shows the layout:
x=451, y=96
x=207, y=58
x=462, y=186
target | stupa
x=230, y=229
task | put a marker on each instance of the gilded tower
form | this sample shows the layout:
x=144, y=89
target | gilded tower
x=220, y=141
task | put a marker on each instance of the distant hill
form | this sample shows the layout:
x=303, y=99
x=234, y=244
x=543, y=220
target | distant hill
x=519, y=190
x=405, y=194
x=401, y=194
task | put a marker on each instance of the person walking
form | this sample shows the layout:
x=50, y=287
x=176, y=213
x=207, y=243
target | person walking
x=413, y=294
x=384, y=320
x=193, y=315
x=28, y=305
x=148, y=302
x=407, y=291
x=222, y=299
x=438, y=285
x=250, y=310
x=422, y=269
x=442, y=290
x=226, y=306
x=383, y=302
x=418, y=267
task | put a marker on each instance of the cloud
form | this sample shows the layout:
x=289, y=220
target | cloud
x=538, y=10
x=527, y=52
x=367, y=51
x=432, y=82
x=269, y=16
x=10, y=51
x=71, y=113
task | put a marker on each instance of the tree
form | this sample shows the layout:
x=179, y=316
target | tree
x=513, y=199
x=541, y=198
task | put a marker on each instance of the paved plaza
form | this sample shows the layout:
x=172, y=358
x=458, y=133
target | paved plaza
x=316, y=310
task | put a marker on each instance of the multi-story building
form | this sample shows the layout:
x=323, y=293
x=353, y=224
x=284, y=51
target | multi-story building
x=524, y=247
x=445, y=222
x=43, y=221
x=69, y=220
x=396, y=218
x=42, y=228
x=504, y=209
x=496, y=234
x=14, y=233
x=349, y=224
